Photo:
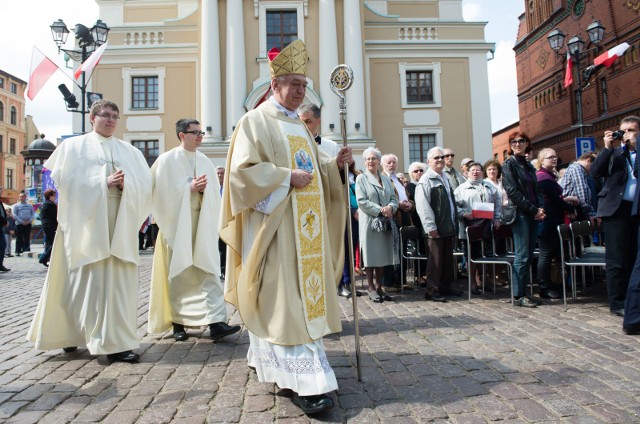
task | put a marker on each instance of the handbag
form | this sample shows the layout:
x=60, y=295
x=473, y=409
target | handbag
x=380, y=224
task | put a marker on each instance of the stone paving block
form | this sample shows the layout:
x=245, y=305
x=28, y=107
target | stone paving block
x=351, y=401
x=57, y=417
x=168, y=399
x=612, y=414
x=122, y=417
x=47, y=401
x=392, y=409
x=258, y=403
x=228, y=400
x=362, y=416
x=193, y=408
x=26, y=417
x=532, y=411
x=7, y=409
x=224, y=415
x=257, y=417
x=507, y=390
x=33, y=392
x=156, y=415
x=134, y=403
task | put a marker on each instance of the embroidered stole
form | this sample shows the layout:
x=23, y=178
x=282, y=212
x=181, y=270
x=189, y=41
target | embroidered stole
x=308, y=211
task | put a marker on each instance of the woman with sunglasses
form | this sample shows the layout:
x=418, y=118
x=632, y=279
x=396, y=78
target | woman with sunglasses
x=417, y=170
x=520, y=182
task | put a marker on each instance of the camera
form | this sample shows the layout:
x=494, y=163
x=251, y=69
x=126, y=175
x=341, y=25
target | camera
x=617, y=134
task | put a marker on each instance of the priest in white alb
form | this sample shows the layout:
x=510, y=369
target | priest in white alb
x=283, y=218
x=90, y=294
x=186, y=290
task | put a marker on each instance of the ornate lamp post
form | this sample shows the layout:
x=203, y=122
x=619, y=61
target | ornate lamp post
x=575, y=47
x=87, y=40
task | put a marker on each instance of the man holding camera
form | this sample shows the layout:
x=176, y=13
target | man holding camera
x=616, y=165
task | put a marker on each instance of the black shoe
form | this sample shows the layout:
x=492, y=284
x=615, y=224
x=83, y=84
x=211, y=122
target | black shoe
x=452, y=292
x=70, y=349
x=313, y=404
x=221, y=329
x=525, y=302
x=435, y=297
x=344, y=292
x=4, y=269
x=178, y=333
x=18, y=254
x=126, y=356
x=549, y=294
x=476, y=291
x=618, y=312
x=9, y=255
x=631, y=331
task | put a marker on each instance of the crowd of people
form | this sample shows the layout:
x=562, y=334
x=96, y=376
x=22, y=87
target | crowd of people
x=279, y=209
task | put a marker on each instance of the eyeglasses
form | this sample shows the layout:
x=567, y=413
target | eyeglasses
x=417, y=170
x=519, y=141
x=450, y=155
x=196, y=133
x=108, y=117
x=438, y=157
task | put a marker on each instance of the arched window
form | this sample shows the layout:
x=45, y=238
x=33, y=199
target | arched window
x=1, y=112
x=14, y=116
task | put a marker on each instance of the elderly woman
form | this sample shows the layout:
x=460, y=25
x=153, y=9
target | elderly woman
x=520, y=182
x=377, y=202
x=469, y=195
x=555, y=207
x=417, y=170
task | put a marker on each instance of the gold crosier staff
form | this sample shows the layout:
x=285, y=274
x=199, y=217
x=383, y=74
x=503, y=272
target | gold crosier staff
x=341, y=80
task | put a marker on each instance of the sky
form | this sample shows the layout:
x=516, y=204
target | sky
x=20, y=34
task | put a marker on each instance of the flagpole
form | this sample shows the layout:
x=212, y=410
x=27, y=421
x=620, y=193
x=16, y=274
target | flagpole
x=341, y=80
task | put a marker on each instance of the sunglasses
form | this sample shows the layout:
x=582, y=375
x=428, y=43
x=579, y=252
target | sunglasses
x=438, y=157
x=519, y=141
x=450, y=155
x=418, y=170
x=197, y=133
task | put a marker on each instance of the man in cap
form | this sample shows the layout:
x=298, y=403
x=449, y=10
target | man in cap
x=90, y=295
x=283, y=218
x=185, y=279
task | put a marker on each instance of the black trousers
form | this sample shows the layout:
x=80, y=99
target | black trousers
x=49, y=235
x=621, y=232
x=23, y=238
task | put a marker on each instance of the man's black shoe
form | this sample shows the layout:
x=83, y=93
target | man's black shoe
x=70, y=349
x=435, y=297
x=313, y=404
x=126, y=356
x=4, y=269
x=631, y=331
x=549, y=294
x=179, y=333
x=452, y=292
x=221, y=329
x=618, y=312
x=344, y=292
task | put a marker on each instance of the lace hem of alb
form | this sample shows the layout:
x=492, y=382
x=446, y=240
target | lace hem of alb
x=291, y=365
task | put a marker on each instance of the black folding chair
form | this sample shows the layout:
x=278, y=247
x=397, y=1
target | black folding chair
x=411, y=239
x=474, y=236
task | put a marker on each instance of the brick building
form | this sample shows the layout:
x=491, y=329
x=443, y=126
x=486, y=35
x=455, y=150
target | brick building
x=549, y=113
x=12, y=135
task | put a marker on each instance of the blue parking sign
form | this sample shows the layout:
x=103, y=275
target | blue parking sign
x=584, y=145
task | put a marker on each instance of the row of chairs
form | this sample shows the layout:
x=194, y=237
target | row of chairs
x=577, y=252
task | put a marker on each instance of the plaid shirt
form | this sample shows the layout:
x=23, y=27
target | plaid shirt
x=574, y=183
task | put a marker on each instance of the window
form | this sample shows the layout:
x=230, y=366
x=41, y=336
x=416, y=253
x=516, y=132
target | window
x=419, y=87
x=282, y=28
x=14, y=116
x=14, y=88
x=1, y=143
x=419, y=145
x=144, y=92
x=1, y=112
x=9, y=180
x=605, y=96
x=1, y=82
x=149, y=148
x=12, y=146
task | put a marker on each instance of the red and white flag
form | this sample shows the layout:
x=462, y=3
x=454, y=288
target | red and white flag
x=568, y=73
x=607, y=58
x=91, y=62
x=482, y=210
x=41, y=70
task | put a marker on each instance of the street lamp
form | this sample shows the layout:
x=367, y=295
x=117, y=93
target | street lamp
x=575, y=47
x=88, y=39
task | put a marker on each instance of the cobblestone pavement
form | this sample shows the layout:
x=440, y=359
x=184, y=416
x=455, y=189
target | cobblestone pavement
x=459, y=362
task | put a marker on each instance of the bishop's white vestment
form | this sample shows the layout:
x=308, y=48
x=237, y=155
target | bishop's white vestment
x=89, y=297
x=286, y=248
x=185, y=279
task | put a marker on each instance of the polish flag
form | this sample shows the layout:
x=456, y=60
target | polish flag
x=607, y=58
x=482, y=210
x=568, y=73
x=41, y=70
x=91, y=62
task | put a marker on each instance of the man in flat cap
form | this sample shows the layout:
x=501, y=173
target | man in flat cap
x=283, y=218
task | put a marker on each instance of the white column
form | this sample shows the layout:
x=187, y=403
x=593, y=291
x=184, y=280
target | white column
x=328, y=59
x=211, y=93
x=236, y=68
x=353, y=56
